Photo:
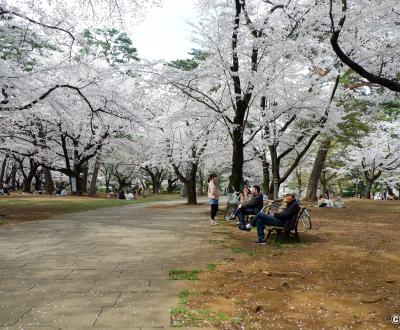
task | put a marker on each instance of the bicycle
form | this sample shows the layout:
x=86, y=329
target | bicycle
x=305, y=218
x=231, y=205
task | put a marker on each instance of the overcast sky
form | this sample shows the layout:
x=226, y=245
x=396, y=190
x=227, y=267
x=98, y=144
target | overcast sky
x=164, y=33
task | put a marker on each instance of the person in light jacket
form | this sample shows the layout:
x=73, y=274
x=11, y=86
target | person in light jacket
x=213, y=197
x=251, y=206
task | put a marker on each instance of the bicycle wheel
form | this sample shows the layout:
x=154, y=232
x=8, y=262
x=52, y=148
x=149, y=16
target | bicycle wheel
x=305, y=219
x=271, y=208
x=230, y=211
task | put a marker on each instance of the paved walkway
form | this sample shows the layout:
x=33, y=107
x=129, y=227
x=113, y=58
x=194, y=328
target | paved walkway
x=104, y=268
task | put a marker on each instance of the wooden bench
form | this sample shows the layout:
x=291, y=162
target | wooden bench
x=280, y=230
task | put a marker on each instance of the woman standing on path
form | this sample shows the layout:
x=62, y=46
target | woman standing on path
x=213, y=195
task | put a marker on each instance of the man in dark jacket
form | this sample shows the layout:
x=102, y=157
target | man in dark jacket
x=253, y=206
x=284, y=219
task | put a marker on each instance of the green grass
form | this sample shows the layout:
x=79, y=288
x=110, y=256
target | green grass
x=182, y=316
x=280, y=243
x=179, y=274
x=211, y=266
x=185, y=294
x=249, y=252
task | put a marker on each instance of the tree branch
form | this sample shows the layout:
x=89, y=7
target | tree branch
x=4, y=12
x=391, y=84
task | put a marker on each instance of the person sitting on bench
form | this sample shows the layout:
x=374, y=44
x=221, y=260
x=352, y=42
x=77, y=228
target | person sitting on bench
x=252, y=206
x=284, y=219
x=245, y=195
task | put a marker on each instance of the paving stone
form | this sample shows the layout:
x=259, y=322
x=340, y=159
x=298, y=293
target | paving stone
x=91, y=299
x=10, y=264
x=42, y=274
x=104, y=267
x=124, y=285
x=133, y=317
x=143, y=274
x=7, y=273
x=92, y=274
x=27, y=298
x=49, y=264
x=60, y=316
x=88, y=265
x=9, y=315
x=167, y=285
x=17, y=284
x=146, y=300
x=64, y=286
x=20, y=327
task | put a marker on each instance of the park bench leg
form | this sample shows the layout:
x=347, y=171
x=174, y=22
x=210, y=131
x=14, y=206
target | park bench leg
x=278, y=233
x=269, y=234
x=296, y=235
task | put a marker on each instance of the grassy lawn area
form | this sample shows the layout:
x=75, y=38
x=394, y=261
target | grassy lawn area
x=343, y=275
x=18, y=208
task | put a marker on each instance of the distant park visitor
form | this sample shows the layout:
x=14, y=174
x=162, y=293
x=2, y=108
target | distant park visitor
x=213, y=197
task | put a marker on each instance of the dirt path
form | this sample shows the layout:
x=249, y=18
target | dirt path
x=103, y=268
x=344, y=275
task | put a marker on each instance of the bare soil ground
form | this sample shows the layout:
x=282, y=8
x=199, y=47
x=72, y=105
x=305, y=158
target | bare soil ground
x=345, y=274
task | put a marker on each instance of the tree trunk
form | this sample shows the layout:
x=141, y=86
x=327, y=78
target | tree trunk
x=93, y=182
x=143, y=185
x=391, y=192
x=368, y=189
x=78, y=185
x=191, y=192
x=27, y=184
x=27, y=177
x=236, y=178
x=3, y=171
x=107, y=185
x=38, y=182
x=370, y=178
x=357, y=185
x=171, y=185
x=275, y=183
x=48, y=182
x=319, y=163
x=191, y=185
x=84, y=182
x=13, y=176
x=156, y=180
x=323, y=183
x=154, y=184
x=266, y=179
x=77, y=174
x=299, y=183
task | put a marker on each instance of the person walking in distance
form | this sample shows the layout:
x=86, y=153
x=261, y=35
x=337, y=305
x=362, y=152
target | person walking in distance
x=213, y=197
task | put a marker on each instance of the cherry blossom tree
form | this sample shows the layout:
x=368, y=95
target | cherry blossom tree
x=378, y=153
x=363, y=37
